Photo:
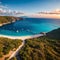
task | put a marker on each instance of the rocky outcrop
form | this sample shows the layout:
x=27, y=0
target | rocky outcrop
x=55, y=34
x=8, y=19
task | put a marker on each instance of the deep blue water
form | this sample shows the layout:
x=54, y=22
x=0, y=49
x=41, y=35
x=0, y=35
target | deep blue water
x=30, y=26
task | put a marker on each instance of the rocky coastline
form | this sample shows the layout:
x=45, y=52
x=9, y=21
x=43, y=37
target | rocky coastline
x=8, y=19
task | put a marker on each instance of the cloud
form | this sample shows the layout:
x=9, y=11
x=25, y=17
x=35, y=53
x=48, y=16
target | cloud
x=57, y=11
x=10, y=12
x=4, y=10
x=48, y=14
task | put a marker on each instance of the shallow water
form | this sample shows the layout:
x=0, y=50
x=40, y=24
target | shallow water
x=30, y=26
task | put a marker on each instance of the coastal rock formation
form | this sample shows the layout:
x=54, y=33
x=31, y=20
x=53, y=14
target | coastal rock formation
x=8, y=19
x=55, y=34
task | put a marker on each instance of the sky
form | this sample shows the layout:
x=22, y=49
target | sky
x=30, y=6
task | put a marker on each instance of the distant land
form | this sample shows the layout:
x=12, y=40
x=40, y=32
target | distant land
x=24, y=16
x=41, y=15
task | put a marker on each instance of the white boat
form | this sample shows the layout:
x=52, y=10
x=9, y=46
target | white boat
x=17, y=31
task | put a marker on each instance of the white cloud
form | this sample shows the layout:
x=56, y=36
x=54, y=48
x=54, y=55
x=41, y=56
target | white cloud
x=4, y=10
x=48, y=14
x=57, y=11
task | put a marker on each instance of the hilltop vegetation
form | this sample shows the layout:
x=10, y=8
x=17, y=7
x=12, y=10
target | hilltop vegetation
x=55, y=34
x=6, y=19
x=42, y=48
x=7, y=45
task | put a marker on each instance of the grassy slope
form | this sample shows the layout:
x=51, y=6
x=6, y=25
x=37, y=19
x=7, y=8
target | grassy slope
x=42, y=48
x=6, y=19
x=55, y=34
x=8, y=44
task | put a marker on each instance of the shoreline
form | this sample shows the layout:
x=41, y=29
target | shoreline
x=7, y=23
x=22, y=37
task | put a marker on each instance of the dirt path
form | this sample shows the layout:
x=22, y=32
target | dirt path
x=23, y=39
x=18, y=49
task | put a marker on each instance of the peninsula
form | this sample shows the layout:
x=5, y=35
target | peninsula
x=8, y=19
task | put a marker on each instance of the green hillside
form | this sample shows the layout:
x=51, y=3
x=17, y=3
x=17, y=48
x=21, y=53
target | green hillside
x=7, y=45
x=6, y=19
x=55, y=34
x=42, y=48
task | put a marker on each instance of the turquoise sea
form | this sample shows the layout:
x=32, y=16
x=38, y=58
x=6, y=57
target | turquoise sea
x=30, y=26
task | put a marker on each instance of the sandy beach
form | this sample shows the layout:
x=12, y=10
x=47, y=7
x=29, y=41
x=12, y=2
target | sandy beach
x=22, y=37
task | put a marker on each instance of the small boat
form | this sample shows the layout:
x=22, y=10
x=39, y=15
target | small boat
x=17, y=31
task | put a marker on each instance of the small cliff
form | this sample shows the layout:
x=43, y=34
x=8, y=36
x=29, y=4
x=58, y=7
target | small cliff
x=8, y=19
